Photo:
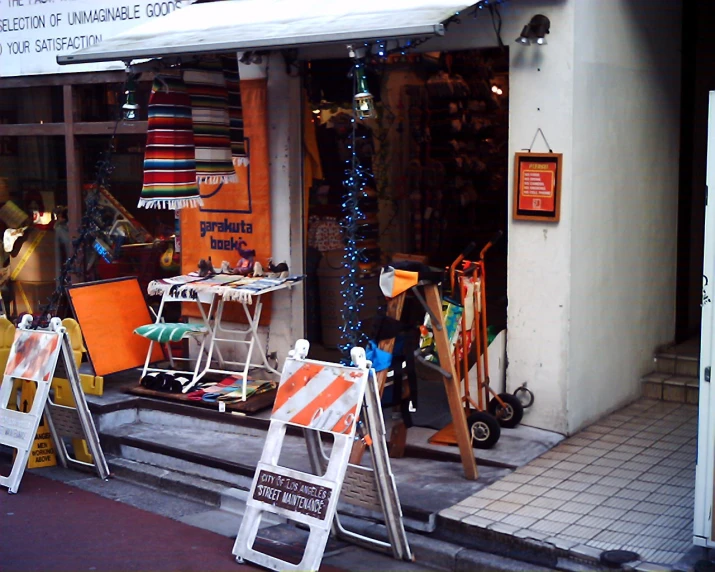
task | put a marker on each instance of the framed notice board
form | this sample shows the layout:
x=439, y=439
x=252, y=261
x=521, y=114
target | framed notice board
x=537, y=186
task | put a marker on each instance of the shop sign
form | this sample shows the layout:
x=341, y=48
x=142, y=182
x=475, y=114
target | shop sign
x=34, y=32
x=292, y=494
x=537, y=186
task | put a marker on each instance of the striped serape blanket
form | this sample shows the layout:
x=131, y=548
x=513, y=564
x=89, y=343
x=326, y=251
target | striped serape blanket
x=169, y=163
x=235, y=109
x=212, y=133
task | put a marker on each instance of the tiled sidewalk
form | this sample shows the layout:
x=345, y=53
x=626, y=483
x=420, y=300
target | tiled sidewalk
x=626, y=482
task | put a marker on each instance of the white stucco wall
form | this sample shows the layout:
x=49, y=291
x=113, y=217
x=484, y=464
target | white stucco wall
x=624, y=198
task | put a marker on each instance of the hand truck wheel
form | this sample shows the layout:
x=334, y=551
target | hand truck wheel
x=483, y=429
x=510, y=414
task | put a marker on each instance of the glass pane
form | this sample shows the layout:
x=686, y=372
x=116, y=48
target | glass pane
x=103, y=102
x=32, y=105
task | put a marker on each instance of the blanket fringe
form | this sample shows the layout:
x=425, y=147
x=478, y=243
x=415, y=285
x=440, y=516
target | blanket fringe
x=240, y=161
x=171, y=204
x=216, y=179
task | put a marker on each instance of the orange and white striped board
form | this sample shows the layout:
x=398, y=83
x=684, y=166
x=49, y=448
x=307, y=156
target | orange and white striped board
x=33, y=355
x=321, y=396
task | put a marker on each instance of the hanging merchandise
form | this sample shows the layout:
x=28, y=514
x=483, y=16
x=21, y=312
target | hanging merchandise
x=212, y=128
x=169, y=163
x=235, y=109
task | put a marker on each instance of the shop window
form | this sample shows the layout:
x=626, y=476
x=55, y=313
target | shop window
x=102, y=102
x=32, y=105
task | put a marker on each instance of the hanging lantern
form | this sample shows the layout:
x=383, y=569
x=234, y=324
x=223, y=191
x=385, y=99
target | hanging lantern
x=130, y=107
x=364, y=102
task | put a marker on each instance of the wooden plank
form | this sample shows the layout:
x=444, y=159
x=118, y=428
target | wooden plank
x=394, y=310
x=63, y=79
x=74, y=192
x=452, y=386
x=32, y=129
x=107, y=127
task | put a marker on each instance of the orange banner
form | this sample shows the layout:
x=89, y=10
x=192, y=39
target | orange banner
x=235, y=215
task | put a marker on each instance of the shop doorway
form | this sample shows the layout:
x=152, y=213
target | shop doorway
x=438, y=155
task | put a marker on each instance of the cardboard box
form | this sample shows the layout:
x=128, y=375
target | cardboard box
x=31, y=296
x=36, y=260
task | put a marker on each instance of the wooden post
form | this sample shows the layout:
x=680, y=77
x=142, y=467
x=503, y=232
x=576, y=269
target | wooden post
x=452, y=386
x=74, y=192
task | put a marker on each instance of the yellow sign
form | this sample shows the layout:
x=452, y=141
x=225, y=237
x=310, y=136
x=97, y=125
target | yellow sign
x=43, y=450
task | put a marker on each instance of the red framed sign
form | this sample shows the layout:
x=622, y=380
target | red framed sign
x=537, y=186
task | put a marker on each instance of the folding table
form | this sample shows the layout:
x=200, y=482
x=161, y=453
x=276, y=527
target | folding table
x=216, y=291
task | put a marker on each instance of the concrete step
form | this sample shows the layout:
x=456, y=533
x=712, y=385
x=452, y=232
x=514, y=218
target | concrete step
x=676, y=364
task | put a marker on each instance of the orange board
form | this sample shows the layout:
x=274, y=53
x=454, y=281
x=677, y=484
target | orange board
x=108, y=313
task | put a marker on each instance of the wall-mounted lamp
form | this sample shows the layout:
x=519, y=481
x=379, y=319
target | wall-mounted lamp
x=130, y=107
x=535, y=31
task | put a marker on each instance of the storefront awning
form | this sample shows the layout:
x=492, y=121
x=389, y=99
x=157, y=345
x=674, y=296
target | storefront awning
x=241, y=25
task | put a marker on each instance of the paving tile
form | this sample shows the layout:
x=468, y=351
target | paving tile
x=603, y=545
x=608, y=512
x=663, y=557
x=544, y=502
x=613, y=438
x=517, y=478
x=630, y=494
x=649, y=477
x=589, y=478
x=549, y=527
x=675, y=491
x=532, y=534
x=493, y=515
x=663, y=532
x=674, y=522
x=454, y=514
x=586, y=456
x=478, y=521
x=557, y=474
x=619, y=455
x=590, y=498
x=603, y=489
x=682, y=481
x=642, y=541
x=661, y=470
x=630, y=470
x=650, y=508
x=475, y=502
x=607, y=462
x=570, y=449
x=520, y=498
x=502, y=528
x=533, y=511
x=563, y=543
x=576, y=507
x=505, y=486
x=630, y=449
x=492, y=494
x=647, y=460
x=584, y=532
x=558, y=454
x=620, y=503
x=519, y=521
x=602, y=445
x=548, y=482
x=568, y=466
x=627, y=527
x=595, y=522
x=679, y=511
x=563, y=516
x=639, y=485
x=574, y=486
x=532, y=490
x=665, y=446
x=560, y=494
x=637, y=517
x=615, y=482
x=544, y=463
x=529, y=470
x=580, y=441
x=504, y=506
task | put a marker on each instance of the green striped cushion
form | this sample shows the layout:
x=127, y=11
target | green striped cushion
x=164, y=333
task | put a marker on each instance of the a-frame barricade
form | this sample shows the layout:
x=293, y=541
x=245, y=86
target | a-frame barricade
x=322, y=397
x=33, y=357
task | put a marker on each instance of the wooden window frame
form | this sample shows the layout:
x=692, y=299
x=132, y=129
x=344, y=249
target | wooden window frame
x=70, y=128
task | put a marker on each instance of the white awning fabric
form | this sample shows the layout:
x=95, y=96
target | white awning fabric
x=242, y=25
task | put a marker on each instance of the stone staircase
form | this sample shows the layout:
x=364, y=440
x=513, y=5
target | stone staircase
x=676, y=373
